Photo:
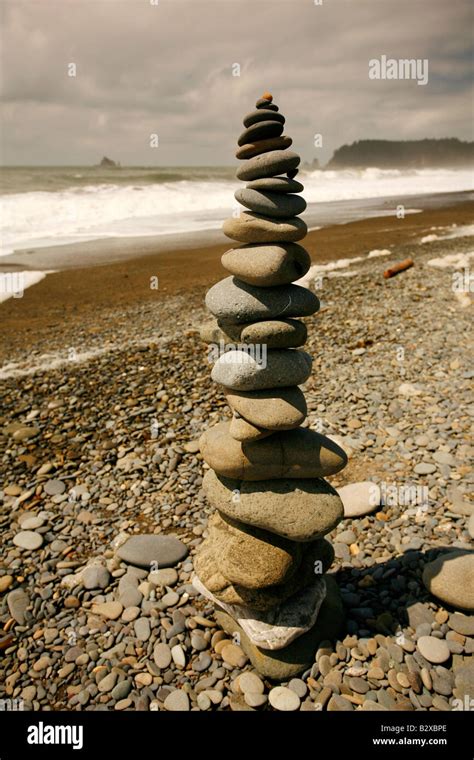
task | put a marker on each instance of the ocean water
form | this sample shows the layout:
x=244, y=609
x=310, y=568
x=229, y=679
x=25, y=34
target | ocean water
x=42, y=206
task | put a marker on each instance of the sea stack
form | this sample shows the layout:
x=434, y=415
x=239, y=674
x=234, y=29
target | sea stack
x=265, y=559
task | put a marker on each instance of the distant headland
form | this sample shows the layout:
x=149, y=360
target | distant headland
x=395, y=154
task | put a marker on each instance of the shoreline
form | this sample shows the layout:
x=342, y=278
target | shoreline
x=112, y=250
x=97, y=301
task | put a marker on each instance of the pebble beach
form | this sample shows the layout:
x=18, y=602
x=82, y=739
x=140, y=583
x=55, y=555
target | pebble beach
x=106, y=391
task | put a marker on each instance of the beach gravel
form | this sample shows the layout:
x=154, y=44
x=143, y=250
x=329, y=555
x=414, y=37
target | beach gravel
x=118, y=429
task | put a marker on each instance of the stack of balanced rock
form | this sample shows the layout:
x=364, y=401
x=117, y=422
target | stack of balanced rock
x=264, y=561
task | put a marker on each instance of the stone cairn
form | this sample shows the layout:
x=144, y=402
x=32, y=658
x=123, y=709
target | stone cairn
x=263, y=564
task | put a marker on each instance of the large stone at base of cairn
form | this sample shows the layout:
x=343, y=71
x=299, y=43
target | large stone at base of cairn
x=277, y=627
x=282, y=664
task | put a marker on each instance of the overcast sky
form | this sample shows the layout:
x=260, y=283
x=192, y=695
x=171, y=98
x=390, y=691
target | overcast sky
x=167, y=69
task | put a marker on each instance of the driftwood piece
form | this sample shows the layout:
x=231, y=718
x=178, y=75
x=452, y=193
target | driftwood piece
x=400, y=267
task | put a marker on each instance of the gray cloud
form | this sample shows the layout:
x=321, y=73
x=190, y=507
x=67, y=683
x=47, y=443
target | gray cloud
x=167, y=69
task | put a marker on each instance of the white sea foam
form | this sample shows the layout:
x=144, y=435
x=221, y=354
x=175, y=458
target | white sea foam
x=97, y=211
x=14, y=284
x=454, y=260
x=323, y=185
x=376, y=253
x=350, y=273
x=451, y=232
x=41, y=218
x=56, y=360
x=331, y=268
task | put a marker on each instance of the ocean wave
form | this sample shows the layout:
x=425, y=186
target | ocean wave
x=322, y=185
x=110, y=209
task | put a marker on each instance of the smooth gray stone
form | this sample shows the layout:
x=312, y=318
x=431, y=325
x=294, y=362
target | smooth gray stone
x=251, y=227
x=177, y=701
x=360, y=498
x=241, y=371
x=150, y=550
x=18, y=602
x=275, y=333
x=264, y=103
x=299, y=509
x=268, y=165
x=232, y=300
x=463, y=624
x=276, y=185
x=450, y=577
x=28, y=539
x=162, y=655
x=271, y=204
x=54, y=487
x=95, y=576
x=262, y=130
x=279, y=626
x=250, y=150
x=128, y=593
x=262, y=114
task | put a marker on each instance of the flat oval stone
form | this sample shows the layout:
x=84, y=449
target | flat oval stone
x=264, y=103
x=276, y=184
x=241, y=371
x=434, y=650
x=250, y=682
x=276, y=205
x=177, y=701
x=28, y=539
x=251, y=227
x=450, y=578
x=232, y=300
x=263, y=146
x=166, y=577
x=109, y=610
x=18, y=602
x=148, y=550
x=250, y=556
x=299, y=453
x=360, y=498
x=162, y=655
x=262, y=114
x=33, y=522
x=267, y=265
x=275, y=333
x=299, y=509
x=263, y=598
x=268, y=165
x=262, y=130
x=273, y=409
x=242, y=430
x=463, y=624
x=283, y=699
x=54, y=487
